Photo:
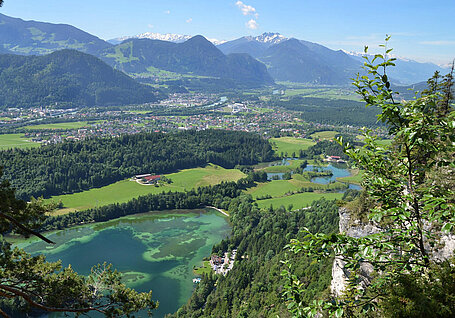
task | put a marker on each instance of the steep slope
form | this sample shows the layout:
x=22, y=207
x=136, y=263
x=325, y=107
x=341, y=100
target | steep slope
x=67, y=78
x=293, y=61
x=296, y=60
x=31, y=37
x=197, y=56
x=254, y=46
x=245, y=44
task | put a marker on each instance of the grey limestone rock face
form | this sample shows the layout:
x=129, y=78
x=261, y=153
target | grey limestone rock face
x=355, y=228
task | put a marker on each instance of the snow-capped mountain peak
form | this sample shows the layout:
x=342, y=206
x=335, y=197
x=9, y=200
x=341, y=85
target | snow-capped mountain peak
x=270, y=38
x=170, y=37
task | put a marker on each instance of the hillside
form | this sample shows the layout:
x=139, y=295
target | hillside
x=197, y=56
x=296, y=60
x=38, y=38
x=67, y=78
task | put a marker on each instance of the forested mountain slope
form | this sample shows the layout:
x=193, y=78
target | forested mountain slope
x=37, y=38
x=197, y=56
x=67, y=78
x=254, y=287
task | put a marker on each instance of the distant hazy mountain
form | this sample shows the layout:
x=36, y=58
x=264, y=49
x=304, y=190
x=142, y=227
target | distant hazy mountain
x=296, y=60
x=288, y=61
x=196, y=56
x=255, y=46
x=67, y=77
x=407, y=72
x=31, y=37
x=170, y=37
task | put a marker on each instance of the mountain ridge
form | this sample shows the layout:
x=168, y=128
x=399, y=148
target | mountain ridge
x=38, y=38
x=68, y=78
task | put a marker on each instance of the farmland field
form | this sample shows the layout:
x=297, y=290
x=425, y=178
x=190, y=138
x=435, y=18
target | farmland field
x=323, y=135
x=125, y=190
x=290, y=145
x=15, y=141
x=68, y=125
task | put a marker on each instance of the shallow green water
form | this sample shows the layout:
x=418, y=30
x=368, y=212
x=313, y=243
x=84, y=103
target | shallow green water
x=155, y=250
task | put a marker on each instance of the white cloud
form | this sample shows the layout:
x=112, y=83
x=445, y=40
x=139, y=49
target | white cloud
x=167, y=11
x=246, y=9
x=189, y=20
x=151, y=26
x=252, y=24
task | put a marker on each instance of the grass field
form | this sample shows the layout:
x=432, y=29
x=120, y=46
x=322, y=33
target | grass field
x=69, y=125
x=125, y=190
x=290, y=145
x=15, y=141
x=356, y=177
x=298, y=201
x=277, y=169
x=325, y=135
x=278, y=188
x=205, y=269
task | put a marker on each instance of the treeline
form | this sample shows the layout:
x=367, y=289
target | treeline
x=254, y=287
x=80, y=165
x=327, y=147
x=218, y=195
x=333, y=112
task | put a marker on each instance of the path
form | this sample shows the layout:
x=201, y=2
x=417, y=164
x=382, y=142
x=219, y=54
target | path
x=219, y=210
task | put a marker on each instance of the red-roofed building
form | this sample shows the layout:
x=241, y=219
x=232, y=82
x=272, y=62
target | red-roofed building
x=152, y=179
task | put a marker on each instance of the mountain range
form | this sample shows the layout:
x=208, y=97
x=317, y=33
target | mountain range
x=239, y=61
x=170, y=37
x=196, y=56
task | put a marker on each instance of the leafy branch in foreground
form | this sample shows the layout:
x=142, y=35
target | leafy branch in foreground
x=411, y=186
x=30, y=282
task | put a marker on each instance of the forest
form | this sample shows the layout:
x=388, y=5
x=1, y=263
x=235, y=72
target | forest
x=74, y=166
x=333, y=112
x=67, y=78
x=254, y=287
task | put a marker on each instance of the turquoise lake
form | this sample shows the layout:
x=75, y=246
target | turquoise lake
x=155, y=251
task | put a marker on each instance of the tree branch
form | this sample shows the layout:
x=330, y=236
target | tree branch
x=24, y=228
x=33, y=303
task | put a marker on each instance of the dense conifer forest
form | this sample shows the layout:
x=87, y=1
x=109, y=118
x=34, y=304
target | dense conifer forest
x=254, y=287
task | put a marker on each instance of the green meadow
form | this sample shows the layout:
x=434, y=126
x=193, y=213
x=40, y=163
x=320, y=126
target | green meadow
x=289, y=145
x=125, y=190
x=9, y=141
x=356, y=177
x=68, y=125
x=279, y=188
x=325, y=135
x=293, y=164
x=298, y=201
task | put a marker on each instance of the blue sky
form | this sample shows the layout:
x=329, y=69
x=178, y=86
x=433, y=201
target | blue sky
x=421, y=30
